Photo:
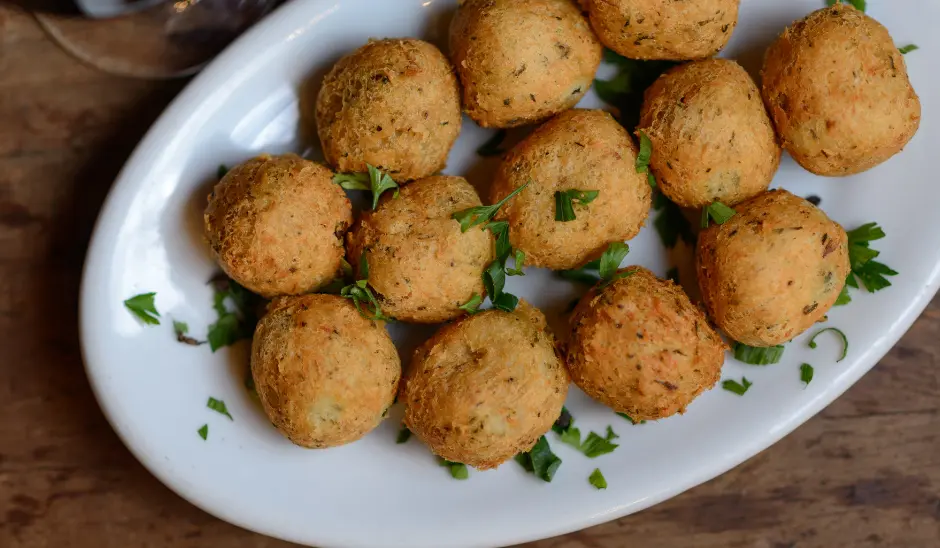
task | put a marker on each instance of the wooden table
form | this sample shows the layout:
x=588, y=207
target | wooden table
x=864, y=472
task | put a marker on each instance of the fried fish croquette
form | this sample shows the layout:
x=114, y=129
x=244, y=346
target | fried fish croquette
x=773, y=269
x=522, y=61
x=640, y=347
x=393, y=104
x=664, y=29
x=324, y=374
x=275, y=224
x=420, y=263
x=711, y=135
x=485, y=387
x=577, y=150
x=838, y=92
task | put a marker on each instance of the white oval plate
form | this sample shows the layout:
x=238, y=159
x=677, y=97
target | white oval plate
x=374, y=492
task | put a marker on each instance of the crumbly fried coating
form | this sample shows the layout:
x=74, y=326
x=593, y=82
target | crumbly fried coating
x=711, y=135
x=325, y=375
x=838, y=92
x=640, y=347
x=582, y=150
x=394, y=104
x=522, y=61
x=486, y=387
x=773, y=270
x=275, y=224
x=420, y=264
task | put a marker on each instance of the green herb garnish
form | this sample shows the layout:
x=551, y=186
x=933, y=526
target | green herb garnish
x=594, y=444
x=232, y=324
x=563, y=422
x=519, y=259
x=374, y=181
x=719, y=212
x=500, y=229
x=907, y=49
x=806, y=373
x=861, y=258
x=845, y=340
x=494, y=280
x=403, y=435
x=473, y=305
x=738, y=388
x=860, y=5
x=182, y=329
x=219, y=407
x=625, y=90
x=506, y=302
x=457, y=470
x=565, y=200
x=611, y=259
x=482, y=214
x=365, y=301
x=144, y=308
x=540, y=460
x=671, y=224
x=492, y=146
x=204, y=431
x=758, y=355
x=629, y=418
x=643, y=158
x=597, y=479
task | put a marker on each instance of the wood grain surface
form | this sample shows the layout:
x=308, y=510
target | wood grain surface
x=863, y=473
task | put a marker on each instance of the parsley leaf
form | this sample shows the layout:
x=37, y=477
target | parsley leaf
x=629, y=418
x=571, y=436
x=473, y=305
x=872, y=273
x=181, y=329
x=860, y=5
x=671, y=224
x=365, y=301
x=375, y=180
x=586, y=275
x=844, y=297
x=403, y=435
x=735, y=386
x=236, y=324
x=907, y=49
x=540, y=460
x=596, y=445
x=520, y=262
x=611, y=259
x=457, y=470
x=806, y=373
x=719, y=212
x=219, y=407
x=845, y=340
x=643, y=158
x=144, y=308
x=492, y=146
x=494, y=280
x=565, y=200
x=597, y=479
x=625, y=90
x=481, y=214
x=611, y=435
x=758, y=355
x=563, y=422
x=506, y=302
x=204, y=431
x=500, y=229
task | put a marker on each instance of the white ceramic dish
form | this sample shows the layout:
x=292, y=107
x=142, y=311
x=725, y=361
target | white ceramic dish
x=374, y=492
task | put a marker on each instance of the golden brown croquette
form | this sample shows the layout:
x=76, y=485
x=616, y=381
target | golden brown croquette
x=393, y=104
x=420, y=264
x=580, y=150
x=838, y=92
x=640, y=347
x=324, y=374
x=773, y=269
x=522, y=61
x=711, y=135
x=275, y=224
x=486, y=387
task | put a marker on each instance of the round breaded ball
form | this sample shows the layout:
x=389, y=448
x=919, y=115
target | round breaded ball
x=522, y=61
x=421, y=265
x=640, y=347
x=711, y=135
x=276, y=224
x=773, y=269
x=393, y=104
x=838, y=92
x=576, y=150
x=664, y=29
x=324, y=374
x=485, y=387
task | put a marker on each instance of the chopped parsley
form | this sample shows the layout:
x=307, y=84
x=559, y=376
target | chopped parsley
x=403, y=435
x=594, y=444
x=611, y=259
x=860, y=5
x=494, y=279
x=907, y=49
x=586, y=275
x=571, y=436
x=492, y=146
x=374, y=181
x=597, y=479
x=481, y=214
x=738, y=388
x=625, y=90
x=144, y=308
x=457, y=470
x=671, y=224
x=204, y=431
x=506, y=302
x=219, y=407
x=565, y=200
x=845, y=340
x=563, y=422
x=719, y=212
x=629, y=418
x=473, y=305
x=500, y=229
x=365, y=301
x=519, y=259
x=863, y=266
x=643, y=158
x=236, y=322
x=806, y=373
x=181, y=329
x=758, y=355
x=540, y=460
